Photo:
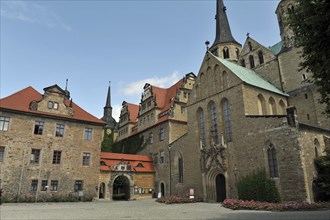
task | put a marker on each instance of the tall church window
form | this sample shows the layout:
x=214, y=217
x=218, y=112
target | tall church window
x=272, y=161
x=216, y=77
x=201, y=127
x=202, y=77
x=225, y=53
x=261, y=57
x=283, y=108
x=250, y=46
x=227, y=120
x=214, y=126
x=243, y=63
x=251, y=59
x=180, y=166
x=261, y=105
x=272, y=106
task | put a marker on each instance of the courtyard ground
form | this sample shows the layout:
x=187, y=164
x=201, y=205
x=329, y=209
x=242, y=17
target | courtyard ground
x=142, y=209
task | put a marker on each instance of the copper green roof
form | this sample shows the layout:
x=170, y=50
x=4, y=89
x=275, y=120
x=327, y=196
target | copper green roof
x=276, y=49
x=249, y=76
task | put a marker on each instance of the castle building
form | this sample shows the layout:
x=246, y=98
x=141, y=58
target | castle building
x=49, y=145
x=159, y=119
x=126, y=176
x=249, y=109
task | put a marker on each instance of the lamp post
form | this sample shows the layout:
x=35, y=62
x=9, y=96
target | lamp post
x=170, y=163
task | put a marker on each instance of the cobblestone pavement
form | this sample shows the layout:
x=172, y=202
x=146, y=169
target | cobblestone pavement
x=142, y=209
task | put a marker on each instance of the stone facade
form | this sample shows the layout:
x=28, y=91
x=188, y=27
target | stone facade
x=51, y=146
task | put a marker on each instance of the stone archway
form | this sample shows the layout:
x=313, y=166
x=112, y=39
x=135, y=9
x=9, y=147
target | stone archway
x=162, y=189
x=102, y=191
x=121, y=188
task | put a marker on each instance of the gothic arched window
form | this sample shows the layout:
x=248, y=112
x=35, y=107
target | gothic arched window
x=201, y=127
x=250, y=46
x=283, y=108
x=243, y=62
x=237, y=52
x=251, y=59
x=180, y=167
x=214, y=126
x=227, y=120
x=316, y=147
x=272, y=106
x=261, y=105
x=225, y=53
x=261, y=57
x=272, y=161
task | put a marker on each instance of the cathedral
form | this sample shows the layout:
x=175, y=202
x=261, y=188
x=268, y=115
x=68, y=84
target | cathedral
x=247, y=109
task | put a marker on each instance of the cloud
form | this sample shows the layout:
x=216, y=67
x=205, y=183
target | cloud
x=116, y=112
x=136, y=88
x=32, y=13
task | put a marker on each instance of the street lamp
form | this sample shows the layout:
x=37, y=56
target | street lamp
x=170, y=163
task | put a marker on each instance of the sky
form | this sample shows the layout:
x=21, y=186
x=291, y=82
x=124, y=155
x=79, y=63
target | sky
x=127, y=42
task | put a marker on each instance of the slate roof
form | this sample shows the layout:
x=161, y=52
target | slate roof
x=20, y=101
x=134, y=160
x=277, y=48
x=249, y=76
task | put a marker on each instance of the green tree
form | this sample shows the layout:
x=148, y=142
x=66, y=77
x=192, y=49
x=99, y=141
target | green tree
x=310, y=24
x=258, y=187
x=322, y=181
x=107, y=142
x=131, y=145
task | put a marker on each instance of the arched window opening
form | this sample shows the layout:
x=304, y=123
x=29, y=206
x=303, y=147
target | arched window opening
x=180, y=167
x=202, y=77
x=283, y=108
x=261, y=57
x=307, y=116
x=201, y=127
x=272, y=161
x=225, y=53
x=251, y=59
x=316, y=147
x=214, y=126
x=243, y=63
x=227, y=119
x=237, y=53
x=250, y=46
x=261, y=105
x=216, y=77
x=272, y=106
x=225, y=79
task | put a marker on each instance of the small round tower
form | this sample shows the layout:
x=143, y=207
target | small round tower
x=283, y=11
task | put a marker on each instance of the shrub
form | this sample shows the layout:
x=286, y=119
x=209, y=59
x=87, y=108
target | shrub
x=178, y=199
x=237, y=204
x=258, y=187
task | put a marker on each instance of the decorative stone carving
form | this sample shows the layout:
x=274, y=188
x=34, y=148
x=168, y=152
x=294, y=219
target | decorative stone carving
x=213, y=156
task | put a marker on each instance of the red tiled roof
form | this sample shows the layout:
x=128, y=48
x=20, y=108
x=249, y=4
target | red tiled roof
x=20, y=101
x=133, y=112
x=111, y=159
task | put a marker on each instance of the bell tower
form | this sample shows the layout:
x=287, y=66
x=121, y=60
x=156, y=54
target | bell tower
x=283, y=10
x=224, y=46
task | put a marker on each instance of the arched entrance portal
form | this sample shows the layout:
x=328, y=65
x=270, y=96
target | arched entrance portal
x=220, y=183
x=102, y=191
x=121, y=188
x=162, y=189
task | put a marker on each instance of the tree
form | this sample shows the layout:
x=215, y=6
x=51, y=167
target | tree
x=322, y=181
x=310, y=23
x=107, y=141
x=130, y=145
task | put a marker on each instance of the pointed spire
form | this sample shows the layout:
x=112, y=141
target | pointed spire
x=108, y=101
x=223, y=33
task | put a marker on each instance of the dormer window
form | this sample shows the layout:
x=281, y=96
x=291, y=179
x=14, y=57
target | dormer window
x=50, y=105
x=139, y=165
